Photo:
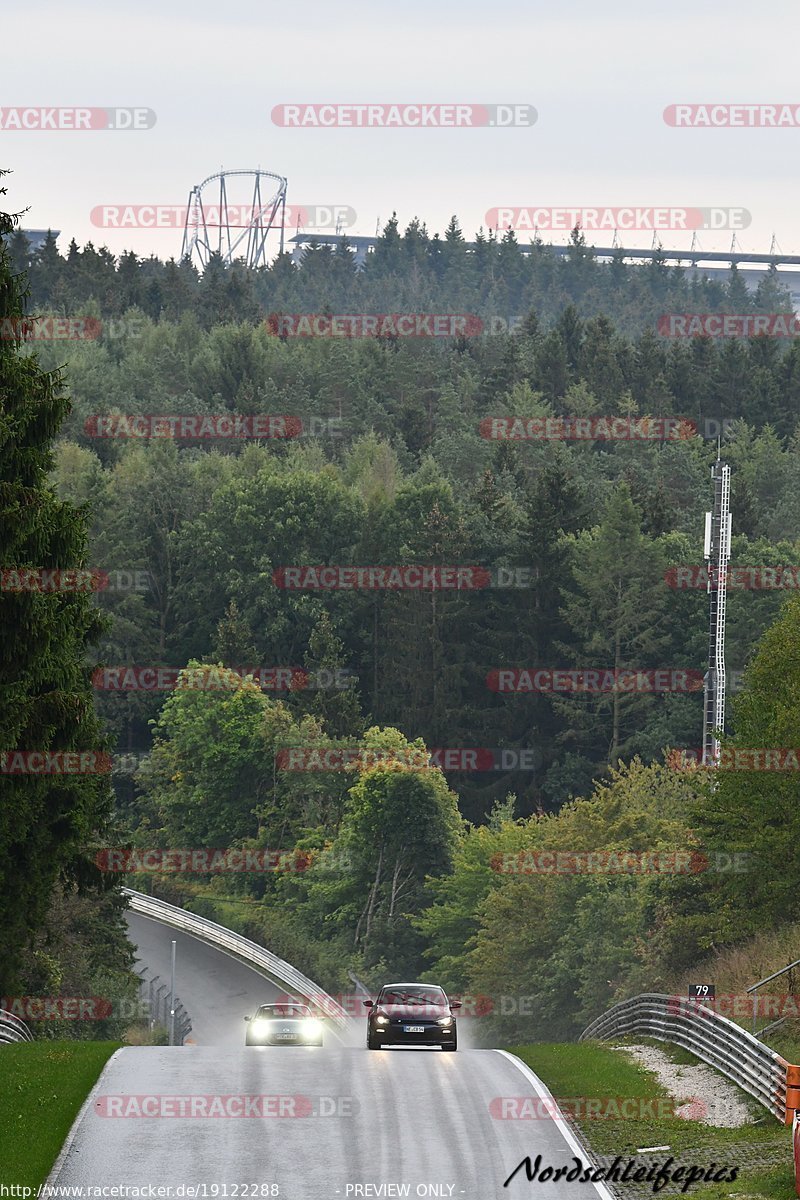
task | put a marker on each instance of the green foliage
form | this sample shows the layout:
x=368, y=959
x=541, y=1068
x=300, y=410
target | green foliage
x=48, y=822
x=574, y=943
x=402, y=472
x=754, y=812
x=399, y=830
x=211, y=779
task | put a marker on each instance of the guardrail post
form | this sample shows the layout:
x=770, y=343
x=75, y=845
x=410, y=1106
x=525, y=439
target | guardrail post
x=172, y=998
x=159, y=999
x=152, y=1000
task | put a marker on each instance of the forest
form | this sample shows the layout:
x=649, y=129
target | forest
x=320, y=560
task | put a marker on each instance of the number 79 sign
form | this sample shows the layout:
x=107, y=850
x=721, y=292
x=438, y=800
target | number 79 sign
x=702, y=991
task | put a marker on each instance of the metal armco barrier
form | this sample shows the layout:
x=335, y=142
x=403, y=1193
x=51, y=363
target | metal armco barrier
x=715, y=1040
x=158, y=1006
x=240, y=947
x=12, y=1029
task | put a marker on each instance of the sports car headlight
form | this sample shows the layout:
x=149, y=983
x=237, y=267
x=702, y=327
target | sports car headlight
x=381, y=1020
x=259, y=1026
x=311, y=1028
x=445, y=1021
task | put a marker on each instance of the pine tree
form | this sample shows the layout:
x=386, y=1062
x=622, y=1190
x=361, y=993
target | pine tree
x=47, y=821
x=46, y=272
x=19, y=252
x=616, y=610
x=333, y=686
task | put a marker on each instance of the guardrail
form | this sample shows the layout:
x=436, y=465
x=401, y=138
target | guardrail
x=721, y=1043
x=12, y=1029
x=240, y=947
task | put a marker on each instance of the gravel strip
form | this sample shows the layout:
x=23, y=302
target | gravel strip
x=706, y=1096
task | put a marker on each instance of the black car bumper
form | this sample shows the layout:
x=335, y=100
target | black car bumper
x=413, y=1033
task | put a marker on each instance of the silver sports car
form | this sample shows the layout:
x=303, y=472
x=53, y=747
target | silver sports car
x=283, y=1025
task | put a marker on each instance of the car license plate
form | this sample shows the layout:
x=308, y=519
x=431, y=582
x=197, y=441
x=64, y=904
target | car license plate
x=413, y=1029
x=287, y=1037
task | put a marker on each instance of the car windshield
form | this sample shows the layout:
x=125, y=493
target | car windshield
x=412, y=995
x=283, y=1011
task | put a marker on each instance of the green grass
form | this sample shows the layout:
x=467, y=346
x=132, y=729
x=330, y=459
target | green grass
x=785, y=1042
x=44, y=1086
x=593, y=1069
x=773, y=1185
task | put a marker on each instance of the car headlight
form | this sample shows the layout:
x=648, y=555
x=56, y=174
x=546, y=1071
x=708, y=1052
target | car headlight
x=259, y=1027
x=381, y=1020
x=445, y=1021
x=311, y=1028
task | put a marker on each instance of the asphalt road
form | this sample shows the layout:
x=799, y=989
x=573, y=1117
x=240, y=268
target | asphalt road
x=327, y=1123
x=216, y=990
x=337, y=1122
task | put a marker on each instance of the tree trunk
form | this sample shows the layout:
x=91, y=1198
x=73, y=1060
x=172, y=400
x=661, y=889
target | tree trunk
x=370, y=905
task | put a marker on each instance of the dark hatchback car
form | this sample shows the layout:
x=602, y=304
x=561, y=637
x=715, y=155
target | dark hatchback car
x=283, y=1025
x=411, y=1014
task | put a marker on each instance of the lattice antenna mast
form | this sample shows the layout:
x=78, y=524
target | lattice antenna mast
x=223, y=229
x=717, y=553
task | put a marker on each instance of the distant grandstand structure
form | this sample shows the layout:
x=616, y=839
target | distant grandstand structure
x=36, y=237
x=708, y=262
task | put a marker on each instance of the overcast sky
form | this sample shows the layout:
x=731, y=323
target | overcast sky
x=599, y=76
